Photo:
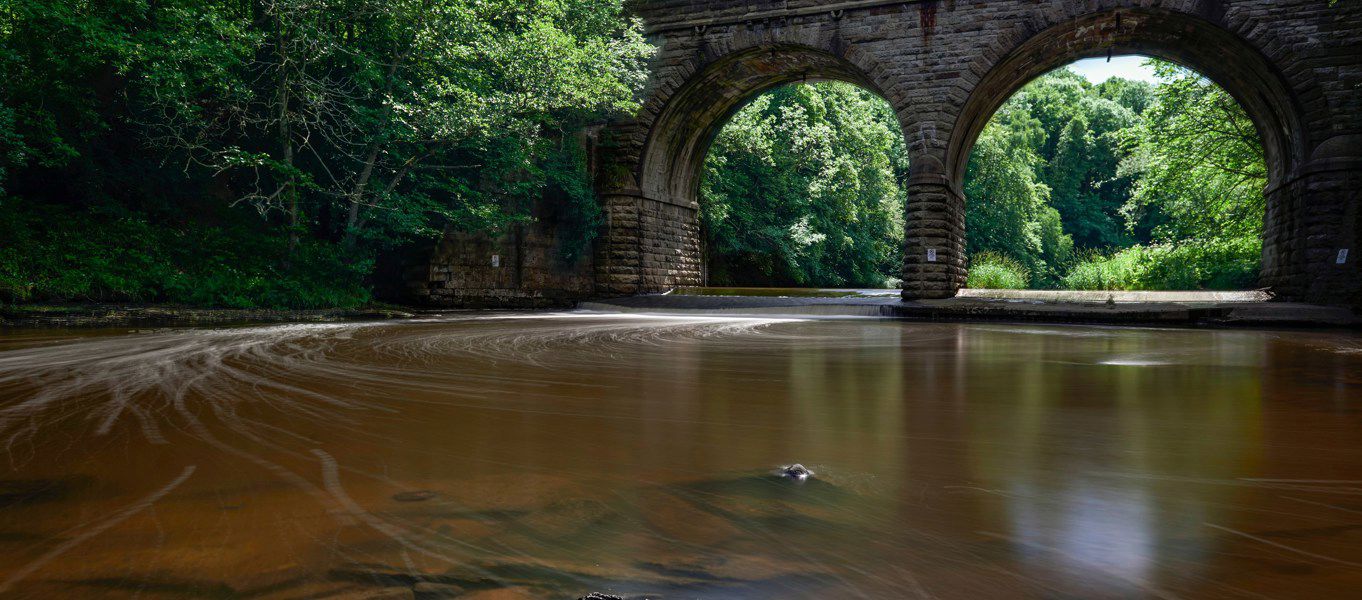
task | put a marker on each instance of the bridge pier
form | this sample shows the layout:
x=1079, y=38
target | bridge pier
x=647, y=246
x=1314, y=227
x=934, y=264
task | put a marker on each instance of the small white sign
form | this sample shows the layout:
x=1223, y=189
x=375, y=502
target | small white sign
x=931, y=255
x=1343, y=256
x=496, y=260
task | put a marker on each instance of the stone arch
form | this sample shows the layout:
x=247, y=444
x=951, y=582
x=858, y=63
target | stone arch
x=945, y=68
x=673, y=155
x=1194, y=39
x=1181, y=37
x=652, y=210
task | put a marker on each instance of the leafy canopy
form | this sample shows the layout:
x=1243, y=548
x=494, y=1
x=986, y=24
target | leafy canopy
x=802, y=188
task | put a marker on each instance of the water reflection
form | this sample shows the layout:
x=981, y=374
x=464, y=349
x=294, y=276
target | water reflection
x=548, y=455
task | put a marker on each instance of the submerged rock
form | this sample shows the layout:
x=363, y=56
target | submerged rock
x=415, y=496
x=796, y=472
x=600, y=596
x=427, y=590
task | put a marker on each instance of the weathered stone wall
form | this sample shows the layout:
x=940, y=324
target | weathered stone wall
x=649, y=246
x=935, y=223
x=945, y=66
x=1305, y=218
x=530, y=271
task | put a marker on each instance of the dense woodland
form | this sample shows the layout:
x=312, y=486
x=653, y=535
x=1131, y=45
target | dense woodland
x=264, y=153
x=1122, y=185
x=803, y=187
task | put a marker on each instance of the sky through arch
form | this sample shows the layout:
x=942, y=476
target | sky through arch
x=1132, y=67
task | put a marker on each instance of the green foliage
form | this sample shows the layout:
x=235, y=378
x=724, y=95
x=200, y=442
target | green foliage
x=993, y=271
x=1073, y=145
x=1127, y=175
x=53, y=255
x=348, y=127
x=801, y=189
x=286, y=142
x=1009, y=211
x=1043, y=178
x=1080, y=173
x=1097, y=272
x=413, y=115
x=1198, y=162
x=1135, y=96
x=11, y=146
x=581, y=215
x=1217, y=264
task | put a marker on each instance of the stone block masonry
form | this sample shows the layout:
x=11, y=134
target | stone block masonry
x=649, y=247
x=520, y=267
x=946, y=66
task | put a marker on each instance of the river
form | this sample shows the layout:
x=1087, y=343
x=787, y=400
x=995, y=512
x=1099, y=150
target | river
x=548, y=455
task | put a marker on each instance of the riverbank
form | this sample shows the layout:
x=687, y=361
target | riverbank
x=114, y=315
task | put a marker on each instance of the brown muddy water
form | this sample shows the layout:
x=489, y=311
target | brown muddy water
x=540, y=455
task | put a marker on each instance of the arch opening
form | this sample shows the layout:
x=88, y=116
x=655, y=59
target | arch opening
x=803, y=188
x=1180, y=38
x=674, y=153
x=1195, y=53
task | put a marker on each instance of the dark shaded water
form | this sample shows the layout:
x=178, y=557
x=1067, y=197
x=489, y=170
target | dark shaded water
x=547, y=456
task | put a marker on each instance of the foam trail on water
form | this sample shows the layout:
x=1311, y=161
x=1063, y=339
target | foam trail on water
x=97, y=529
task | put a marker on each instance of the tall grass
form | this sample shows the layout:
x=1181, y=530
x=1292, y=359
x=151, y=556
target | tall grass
x=1220, y=264
x=1096, y=271
x=992, y=271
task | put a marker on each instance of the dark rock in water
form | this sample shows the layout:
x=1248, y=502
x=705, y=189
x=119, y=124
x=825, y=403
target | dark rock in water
x=427, y=590
x=600, y=596
x=416, y=496
x=796, y=472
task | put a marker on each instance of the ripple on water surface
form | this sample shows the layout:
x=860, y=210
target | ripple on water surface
x=553, y=454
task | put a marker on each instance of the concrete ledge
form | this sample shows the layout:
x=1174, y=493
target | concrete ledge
x=1099, y=296
x=1175, y=314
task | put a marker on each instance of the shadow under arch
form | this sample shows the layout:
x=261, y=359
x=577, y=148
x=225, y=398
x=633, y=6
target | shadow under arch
x=1186, y=39
x=678, y=140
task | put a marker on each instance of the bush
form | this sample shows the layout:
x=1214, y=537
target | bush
x=991, y=271
x=1222, y=264
x=1098, y=272
x=53, y=255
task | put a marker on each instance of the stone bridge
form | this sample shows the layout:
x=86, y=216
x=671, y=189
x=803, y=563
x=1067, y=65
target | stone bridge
x=946, y=66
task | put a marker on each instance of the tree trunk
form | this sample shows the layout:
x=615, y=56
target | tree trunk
x=352, y=220
x=357, y=195
x=285, y=133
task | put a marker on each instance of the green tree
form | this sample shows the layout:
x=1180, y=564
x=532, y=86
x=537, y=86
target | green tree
x=1200, y=166
x=386, y=113
x=1133, y=95
x=801, y=188
x=1199, y=173
x=1080, y=149
x=1082, y=173
x=1008, y=209
x=356, y=123
x=1124, y=163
